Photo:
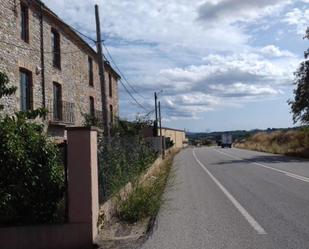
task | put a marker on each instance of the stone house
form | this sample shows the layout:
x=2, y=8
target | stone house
x=52, y=66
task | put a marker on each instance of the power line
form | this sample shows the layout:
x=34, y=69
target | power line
x=131, y=95
x=149, y=113
x=122, y=75
x=80, y=33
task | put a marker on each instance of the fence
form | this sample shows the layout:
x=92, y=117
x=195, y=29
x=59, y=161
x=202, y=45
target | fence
x=120, y=162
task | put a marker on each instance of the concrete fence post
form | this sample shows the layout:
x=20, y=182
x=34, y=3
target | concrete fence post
x=83, y=189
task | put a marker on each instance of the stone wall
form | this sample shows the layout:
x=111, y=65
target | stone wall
x=73, y=76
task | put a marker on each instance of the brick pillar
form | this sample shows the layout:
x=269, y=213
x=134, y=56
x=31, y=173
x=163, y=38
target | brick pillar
x=83, y=178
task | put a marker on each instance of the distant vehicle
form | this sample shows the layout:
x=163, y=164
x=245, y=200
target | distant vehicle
x=226, y=140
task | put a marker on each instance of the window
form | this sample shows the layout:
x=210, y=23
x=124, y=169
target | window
x=90, y=71
x=91, y=106
x=24, y=22
x=55, y=39
x=57, y=102
x=111, y=113
x=25, y=90
x=110, y=82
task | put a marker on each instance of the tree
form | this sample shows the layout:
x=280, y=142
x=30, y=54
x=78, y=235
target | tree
x=300, y=104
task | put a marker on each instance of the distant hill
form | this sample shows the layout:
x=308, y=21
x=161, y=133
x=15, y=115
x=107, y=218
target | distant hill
x=290, y=142
x=237, y=134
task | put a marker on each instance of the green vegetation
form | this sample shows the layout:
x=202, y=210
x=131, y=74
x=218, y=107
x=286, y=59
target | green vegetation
x=128, y=156
x=300, y=104
x=146, y=198
x=291, y=143
x=31, y=176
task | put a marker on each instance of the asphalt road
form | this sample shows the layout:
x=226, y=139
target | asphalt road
x=235, y=199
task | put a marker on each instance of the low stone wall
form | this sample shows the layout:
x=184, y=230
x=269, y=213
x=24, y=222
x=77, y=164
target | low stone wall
x=67, y=236
x=109, y=209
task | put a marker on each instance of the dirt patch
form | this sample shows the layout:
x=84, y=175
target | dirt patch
x=120, y=235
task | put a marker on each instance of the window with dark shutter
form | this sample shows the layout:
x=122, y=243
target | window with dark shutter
x=110, y=82
x=90, y=71
x=57, y=102
x=24, y=22
x=56, y=52
x=91, y=106
x=26, y=102
x=111, y=111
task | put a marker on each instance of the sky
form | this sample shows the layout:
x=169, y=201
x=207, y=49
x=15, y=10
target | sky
x=222, y=64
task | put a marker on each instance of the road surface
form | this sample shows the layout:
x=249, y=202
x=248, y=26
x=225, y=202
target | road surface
x=234, y=199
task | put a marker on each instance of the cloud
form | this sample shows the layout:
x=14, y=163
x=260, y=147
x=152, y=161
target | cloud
x=238, y=10
x=274, y=51
x=299, y=18
x=198, y=51
x=244, y=90
x=226, y=80
x=171, y=25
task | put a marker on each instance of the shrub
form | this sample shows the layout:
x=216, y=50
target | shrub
x=31, y=176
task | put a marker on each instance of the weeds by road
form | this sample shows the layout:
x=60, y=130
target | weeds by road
x=290, y=143
x=145, y=200
x=136, y=214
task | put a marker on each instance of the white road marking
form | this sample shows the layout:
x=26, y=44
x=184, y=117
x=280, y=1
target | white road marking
x=256, y=226
x=298, y=177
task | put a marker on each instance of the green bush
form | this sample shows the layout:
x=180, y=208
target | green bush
x=31, y=176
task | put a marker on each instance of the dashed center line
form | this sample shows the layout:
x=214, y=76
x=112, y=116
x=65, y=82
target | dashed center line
x=289, y=174
x=256, y=226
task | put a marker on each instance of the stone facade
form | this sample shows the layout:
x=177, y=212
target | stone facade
x=73, y=77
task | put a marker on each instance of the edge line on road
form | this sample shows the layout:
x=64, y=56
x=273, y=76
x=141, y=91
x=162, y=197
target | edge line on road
x=289, y=174
x=254, y=224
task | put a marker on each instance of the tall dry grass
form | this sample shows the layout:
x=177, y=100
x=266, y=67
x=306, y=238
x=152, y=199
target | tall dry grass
x=291, y=143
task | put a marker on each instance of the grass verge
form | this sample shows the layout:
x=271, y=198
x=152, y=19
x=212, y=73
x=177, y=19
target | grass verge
x=146, y=198
x=290, y=143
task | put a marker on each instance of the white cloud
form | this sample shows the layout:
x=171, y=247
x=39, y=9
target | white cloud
x=196, y=50
x=230, y=80
x=244, y=90
x=169, y=24
x=299, y=18
x=274, y=51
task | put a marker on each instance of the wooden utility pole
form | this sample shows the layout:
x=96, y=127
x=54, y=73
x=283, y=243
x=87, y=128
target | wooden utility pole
x=161, y=135
x=105, y=110
x=155, y=125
